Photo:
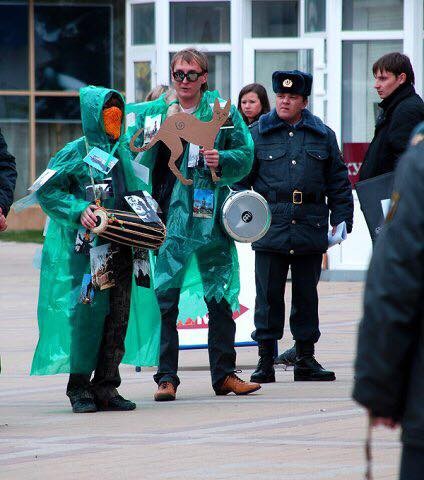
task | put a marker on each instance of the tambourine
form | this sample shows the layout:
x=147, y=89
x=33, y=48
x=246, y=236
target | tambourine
x=129, y=229
x=245, y=216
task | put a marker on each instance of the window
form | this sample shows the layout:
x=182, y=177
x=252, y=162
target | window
x=372, y=15
x=266, y=61
x=14, y=126
x=275, y=18
x=200, y=22
x=359, y=99
x=143, y=27
x=13, y=47
x=142, y=80
x=314, y=16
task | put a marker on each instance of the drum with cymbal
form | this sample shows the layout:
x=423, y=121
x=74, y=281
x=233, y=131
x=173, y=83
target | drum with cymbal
x=128, y=228
x=245, y=216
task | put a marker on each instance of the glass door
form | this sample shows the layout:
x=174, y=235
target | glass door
x=263, y=56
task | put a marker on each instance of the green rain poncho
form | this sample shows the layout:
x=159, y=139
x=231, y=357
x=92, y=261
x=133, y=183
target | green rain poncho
x=70, y=332
x=197, y=256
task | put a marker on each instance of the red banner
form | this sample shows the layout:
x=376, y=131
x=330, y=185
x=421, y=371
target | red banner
x=353, y=154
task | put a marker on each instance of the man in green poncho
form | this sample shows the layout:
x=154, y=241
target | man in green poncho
x=79, y=333
x=197, y=256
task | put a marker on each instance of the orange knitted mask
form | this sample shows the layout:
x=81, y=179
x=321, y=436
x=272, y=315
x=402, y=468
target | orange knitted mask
x=112, y=120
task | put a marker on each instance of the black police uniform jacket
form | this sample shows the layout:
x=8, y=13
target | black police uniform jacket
x=307, y=159
x=7, y=177
x=402, y=111
x=389, y=370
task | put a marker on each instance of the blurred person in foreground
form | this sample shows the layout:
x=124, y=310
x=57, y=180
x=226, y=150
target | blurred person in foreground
x=389, y=368
x=8, y=176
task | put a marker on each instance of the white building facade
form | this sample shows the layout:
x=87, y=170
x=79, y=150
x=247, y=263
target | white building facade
x=246, y=40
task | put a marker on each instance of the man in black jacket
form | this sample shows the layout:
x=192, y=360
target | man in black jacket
x=298, y=169
x=389, y=379
x=402, y=111
x=7, y=182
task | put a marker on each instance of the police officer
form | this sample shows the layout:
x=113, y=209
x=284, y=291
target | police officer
x=389, y=379
x=298, y=169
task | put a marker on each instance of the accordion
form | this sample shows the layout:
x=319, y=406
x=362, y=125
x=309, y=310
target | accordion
x=129, y=229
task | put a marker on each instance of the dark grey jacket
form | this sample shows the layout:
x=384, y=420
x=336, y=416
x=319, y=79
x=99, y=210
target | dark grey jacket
x=402, y=111
x=390, y=358
x=7, y=177
x=305, y=158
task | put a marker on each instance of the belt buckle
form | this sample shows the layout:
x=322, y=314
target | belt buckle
x=297, y=197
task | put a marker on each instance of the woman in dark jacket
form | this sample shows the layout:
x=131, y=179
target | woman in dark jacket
x=253, y=102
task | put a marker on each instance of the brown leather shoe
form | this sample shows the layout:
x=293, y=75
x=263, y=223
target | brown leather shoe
x=232, y=383
x=166, y=392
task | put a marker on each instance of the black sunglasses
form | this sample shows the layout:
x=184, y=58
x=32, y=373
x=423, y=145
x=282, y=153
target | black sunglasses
x=191, y=76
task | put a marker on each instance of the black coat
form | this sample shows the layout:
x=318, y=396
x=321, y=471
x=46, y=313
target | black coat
x=8, y=176
x=403, y=110
x=389, y=377
x=305, y=158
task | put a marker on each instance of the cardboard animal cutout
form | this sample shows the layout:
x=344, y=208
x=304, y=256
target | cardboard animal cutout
x=183, y=126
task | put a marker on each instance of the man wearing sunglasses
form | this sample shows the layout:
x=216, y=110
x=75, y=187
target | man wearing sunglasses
x=197, y=257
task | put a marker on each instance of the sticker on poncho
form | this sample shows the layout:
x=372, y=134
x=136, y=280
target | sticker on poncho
x=195, y=157
x=101, y=261
x=203, y=203
x=100, y=191
x=144, y=206
x=141, y=267
x=87, y=290
x=151, y=127
x=84, y=241
x=100, y=160
x=42, y=179
x=229, y=122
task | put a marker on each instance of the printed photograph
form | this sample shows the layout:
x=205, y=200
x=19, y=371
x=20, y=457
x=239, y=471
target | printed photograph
x=87, y=290
x=84, y=241
x=101, y=261
x=42, y=179
x=141, y=267
x=100, y=191
x=151, y=127
x=195, y=157
x=100, y=160
x=203, y=203
x=144, y=206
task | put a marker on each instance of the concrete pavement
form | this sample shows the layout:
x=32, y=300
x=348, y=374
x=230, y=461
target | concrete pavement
x=287, y=430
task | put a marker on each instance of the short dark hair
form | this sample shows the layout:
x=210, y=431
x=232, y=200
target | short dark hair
x=191, y=55
x=395, y=63
x=262, y=95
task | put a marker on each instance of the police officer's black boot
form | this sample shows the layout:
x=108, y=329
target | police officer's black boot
x=265, y=372
x=287, y=358
x=307, y=368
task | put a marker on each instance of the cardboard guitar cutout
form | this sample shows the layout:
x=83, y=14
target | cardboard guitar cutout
x=183, y=126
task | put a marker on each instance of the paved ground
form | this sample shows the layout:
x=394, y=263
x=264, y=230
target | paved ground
x=287, y=431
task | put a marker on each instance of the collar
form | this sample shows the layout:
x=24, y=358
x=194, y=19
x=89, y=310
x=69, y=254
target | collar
x=402, y=92
x=271, y=121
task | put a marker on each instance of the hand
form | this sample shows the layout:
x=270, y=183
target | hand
x=3, y=224
x=211, y=157
x=384, y=421
x=88, y=219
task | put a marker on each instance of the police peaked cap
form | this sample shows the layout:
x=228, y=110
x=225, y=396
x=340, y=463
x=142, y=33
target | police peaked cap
x=292, y=81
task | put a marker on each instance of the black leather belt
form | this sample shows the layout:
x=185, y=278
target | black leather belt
x=296, y=197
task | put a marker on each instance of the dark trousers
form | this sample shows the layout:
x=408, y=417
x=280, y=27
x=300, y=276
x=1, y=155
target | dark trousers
x=221, y=335
x=412, y=463
x=271, y=271
x=106, y=378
